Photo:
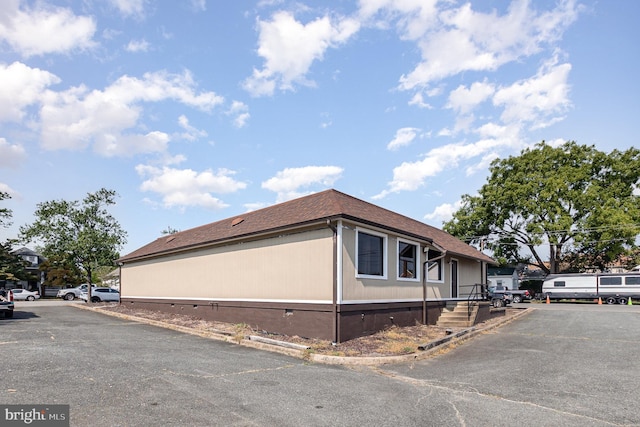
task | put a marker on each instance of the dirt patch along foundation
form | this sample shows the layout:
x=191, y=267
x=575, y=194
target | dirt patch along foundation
x=394, y=341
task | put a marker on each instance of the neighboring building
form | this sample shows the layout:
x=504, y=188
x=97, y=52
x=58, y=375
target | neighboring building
x=505, y=276
x=32, y=268
x=112, y=280
x=326, y=265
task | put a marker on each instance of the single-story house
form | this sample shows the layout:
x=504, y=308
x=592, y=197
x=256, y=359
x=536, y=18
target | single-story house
x=327, y=265
x=504, y=276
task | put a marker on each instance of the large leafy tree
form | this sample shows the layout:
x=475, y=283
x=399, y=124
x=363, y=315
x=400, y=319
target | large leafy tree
x=82, y=233
x=554, y=202
x=12, y=267
x=61, y=271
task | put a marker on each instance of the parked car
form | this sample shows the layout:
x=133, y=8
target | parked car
x=6, y=303
x=24, y=295
x=498, y=297
x=71, y=293
x=101, y=294
x=517, y=295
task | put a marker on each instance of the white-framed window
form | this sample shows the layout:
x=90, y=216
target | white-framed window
x=31, y=259
x=435, y=266
x=371, y=254
x=408, y=260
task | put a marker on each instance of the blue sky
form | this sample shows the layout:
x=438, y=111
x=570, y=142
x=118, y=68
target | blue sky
x=196, y=111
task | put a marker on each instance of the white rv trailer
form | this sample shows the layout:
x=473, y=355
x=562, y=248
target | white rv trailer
x=611, y=287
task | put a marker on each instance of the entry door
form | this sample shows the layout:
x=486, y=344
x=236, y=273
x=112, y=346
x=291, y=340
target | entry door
x=454, y=278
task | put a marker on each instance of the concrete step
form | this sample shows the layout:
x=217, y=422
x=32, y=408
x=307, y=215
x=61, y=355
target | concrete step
x=459, y=315
x=464, y=308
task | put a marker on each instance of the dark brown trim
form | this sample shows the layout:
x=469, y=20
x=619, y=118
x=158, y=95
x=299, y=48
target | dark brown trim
x=307, y=320
x=334, y=322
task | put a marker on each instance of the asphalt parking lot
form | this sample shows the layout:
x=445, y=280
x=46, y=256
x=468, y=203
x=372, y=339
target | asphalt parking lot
x=569, y=365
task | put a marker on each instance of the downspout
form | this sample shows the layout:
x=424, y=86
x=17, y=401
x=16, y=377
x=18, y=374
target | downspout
x=337, y=276
x=120, y=264
x=424, y=281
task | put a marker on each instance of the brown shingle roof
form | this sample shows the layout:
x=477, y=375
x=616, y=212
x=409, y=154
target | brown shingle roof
x=318, y=207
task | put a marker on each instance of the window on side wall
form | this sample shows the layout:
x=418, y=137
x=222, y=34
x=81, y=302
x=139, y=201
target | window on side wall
x=633, y=280
x=372, y=256
x=408, y=261
x=610, y=281
x=434, y=268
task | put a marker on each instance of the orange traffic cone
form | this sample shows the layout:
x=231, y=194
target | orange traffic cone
x=548, y=300
x=599, y=300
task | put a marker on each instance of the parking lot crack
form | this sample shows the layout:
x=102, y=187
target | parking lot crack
x=455, y=388
x=230, y=374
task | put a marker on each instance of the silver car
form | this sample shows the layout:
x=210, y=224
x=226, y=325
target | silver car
x=24, y=295
x=101, y=294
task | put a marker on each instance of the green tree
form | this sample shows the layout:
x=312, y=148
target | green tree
x=12, y=266
x=83, y=233
x=572, y=200
x=5, y=214
x=60, y=272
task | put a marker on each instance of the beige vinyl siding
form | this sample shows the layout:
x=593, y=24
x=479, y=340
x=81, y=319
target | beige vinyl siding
x=469, y=273
x=294, y=267
x=392, y=289
x=367, y=289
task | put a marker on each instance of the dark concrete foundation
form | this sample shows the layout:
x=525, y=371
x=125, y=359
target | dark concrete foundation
x=324, y=321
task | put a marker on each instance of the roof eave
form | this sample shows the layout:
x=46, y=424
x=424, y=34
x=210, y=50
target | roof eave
x=208, y=243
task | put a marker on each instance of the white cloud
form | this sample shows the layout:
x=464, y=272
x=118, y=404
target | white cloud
x=404, y=136
x=443, y=212
x=463, y=123
x=199, y=5
x=492, y=130
x=464, y=100
x=190, y=133
x=410, y=176
x=287, y=183
x=10, y=154
x=186, y=187
x=44, y=29
x=134, y=8
x=20, y=87
x=74, y=118
x=116, y=144
x=240, y=113
x=482, y=165
x=418, y=101
x=413, y=17
x=461, y=39
x=6, y=188
x=137, y=46
x=290, y=47
x=534, y=100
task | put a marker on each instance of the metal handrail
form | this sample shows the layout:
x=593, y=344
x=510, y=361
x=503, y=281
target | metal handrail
x=478, y=292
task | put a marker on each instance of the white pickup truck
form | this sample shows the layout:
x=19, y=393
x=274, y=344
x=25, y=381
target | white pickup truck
x=6, y=303
x=71, y=293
